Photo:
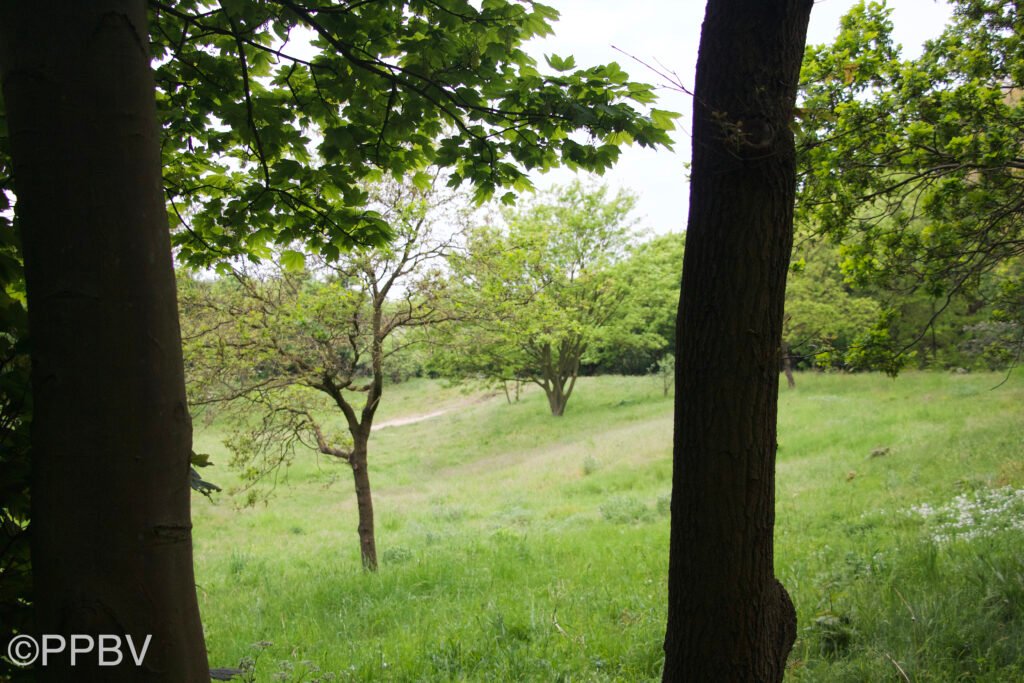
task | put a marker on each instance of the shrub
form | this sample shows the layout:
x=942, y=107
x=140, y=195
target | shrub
x=625, y=510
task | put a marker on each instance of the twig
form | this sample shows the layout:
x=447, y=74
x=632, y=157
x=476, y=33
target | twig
x=913, y=617
x=670, y=77
x=898, y=667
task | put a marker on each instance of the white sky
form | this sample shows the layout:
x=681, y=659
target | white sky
x=667, y=33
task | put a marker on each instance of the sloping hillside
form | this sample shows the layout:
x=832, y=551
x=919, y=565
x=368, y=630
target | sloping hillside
x=517, y=546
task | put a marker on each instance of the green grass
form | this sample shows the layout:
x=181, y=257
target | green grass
x=516, y=546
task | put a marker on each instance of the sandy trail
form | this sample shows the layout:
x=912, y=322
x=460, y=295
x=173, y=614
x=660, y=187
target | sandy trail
x=413, y=419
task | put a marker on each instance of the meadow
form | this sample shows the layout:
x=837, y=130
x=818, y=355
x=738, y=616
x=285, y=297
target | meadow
x=519, y=547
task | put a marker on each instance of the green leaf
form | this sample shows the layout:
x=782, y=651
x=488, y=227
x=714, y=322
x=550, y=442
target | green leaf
x=664, y=119
x=293, y=261
x=559, y=63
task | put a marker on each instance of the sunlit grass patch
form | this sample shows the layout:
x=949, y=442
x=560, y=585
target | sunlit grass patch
x=516, y=546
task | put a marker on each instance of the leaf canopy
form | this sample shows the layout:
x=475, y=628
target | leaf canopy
x=276, y=113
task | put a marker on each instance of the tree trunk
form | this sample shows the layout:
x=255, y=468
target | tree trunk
x=364, y=503
x=728, y=618
x=360, y=431
x=560, y=374
x=787, y=365
x=556, y=399
x=111, y=529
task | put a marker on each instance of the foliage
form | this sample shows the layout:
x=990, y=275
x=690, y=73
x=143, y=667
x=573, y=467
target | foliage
x=832, y=321
x=643, y=328
x=276, y=112
x=536, y=296
x=824, y=320
x=665, y=369
x=277, y=340
x=233, y=330
x=15, y=417
x=273, y=344
x=914, y=165
x=625, y=510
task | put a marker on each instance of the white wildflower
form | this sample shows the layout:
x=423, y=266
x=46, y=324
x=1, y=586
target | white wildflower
x=969, y=516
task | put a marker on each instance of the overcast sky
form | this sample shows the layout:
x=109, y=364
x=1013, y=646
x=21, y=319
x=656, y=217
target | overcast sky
x=667, y=33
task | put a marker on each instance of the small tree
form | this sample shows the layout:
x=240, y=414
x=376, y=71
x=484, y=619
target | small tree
x=272, y=342
x=535, y=294
x=665, y=369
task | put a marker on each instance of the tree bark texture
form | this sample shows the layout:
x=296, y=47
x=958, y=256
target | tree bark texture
x=364, y=505
x=360, y=426
x=111, y=528
x=729, y=619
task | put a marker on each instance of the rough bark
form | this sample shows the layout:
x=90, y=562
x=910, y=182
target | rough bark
x=364, y=504
x=361, y=438
x=729, y=619
x=357, y=459
x=111, y=529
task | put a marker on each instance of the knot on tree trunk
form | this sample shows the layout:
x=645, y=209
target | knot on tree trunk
x=785, y=626
x=745, y=135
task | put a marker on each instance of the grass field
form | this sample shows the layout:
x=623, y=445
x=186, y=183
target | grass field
x=516, y=546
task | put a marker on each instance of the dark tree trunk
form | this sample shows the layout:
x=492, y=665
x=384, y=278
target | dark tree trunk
x=364, y=504
x=111, y=529
x=787, y=365
x=728, y=617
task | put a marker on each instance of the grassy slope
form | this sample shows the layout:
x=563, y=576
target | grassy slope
x=516, y=546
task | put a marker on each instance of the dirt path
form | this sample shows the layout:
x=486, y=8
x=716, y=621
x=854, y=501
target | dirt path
x=413, y=419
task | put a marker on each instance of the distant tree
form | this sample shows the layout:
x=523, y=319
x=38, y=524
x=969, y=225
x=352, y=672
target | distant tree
x=914, y=165
x=665, y=369
x=273, y=342
x=729, y=618
x=824, y=319
x=536, y=294
x=834, y=320
x=643, y=328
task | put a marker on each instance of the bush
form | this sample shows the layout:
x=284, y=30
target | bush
x=396, y=555
x=625, y=510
